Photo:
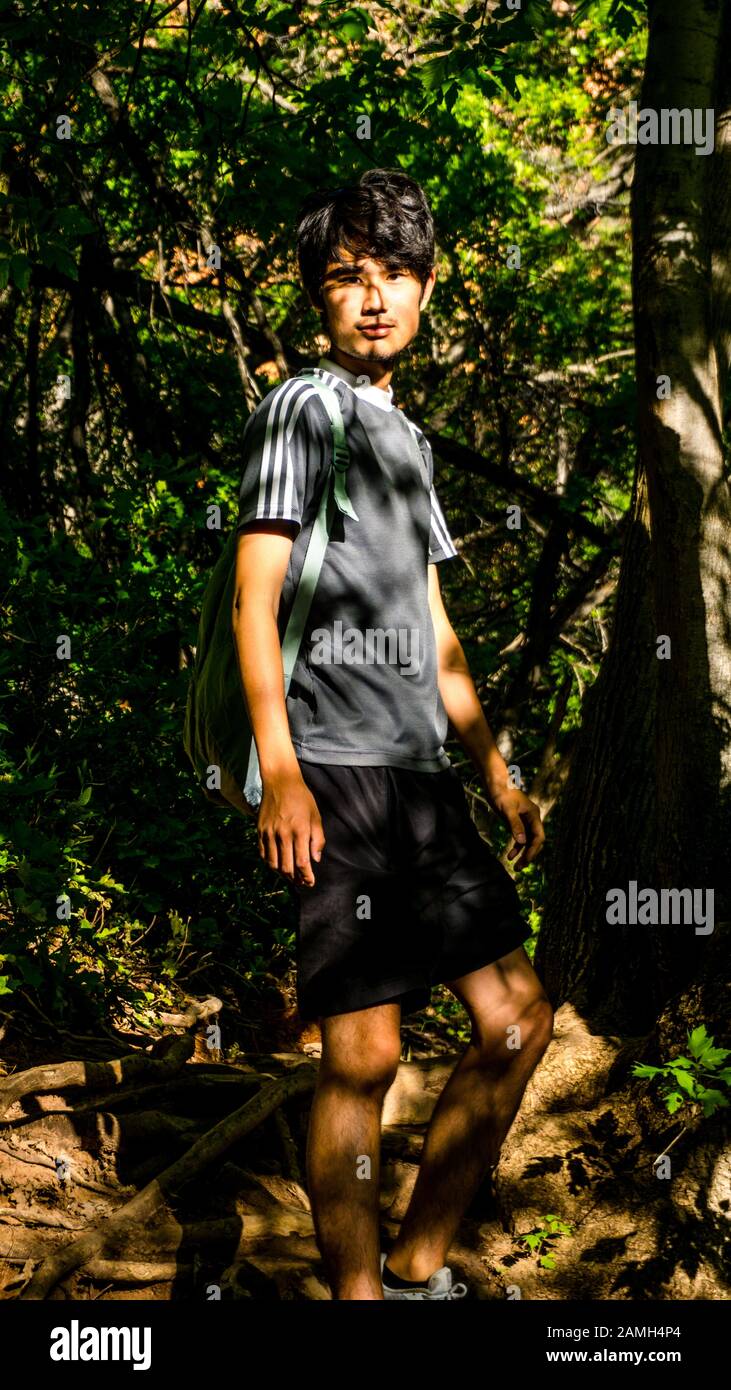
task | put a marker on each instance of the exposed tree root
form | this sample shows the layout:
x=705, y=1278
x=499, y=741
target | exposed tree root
x=583, y=1148
x=39, y=1161
x=95, y=1076
x=193, y=1081
x=136, y=1271
x=289, y=1148
x=142, y=1208
x=26, y=1216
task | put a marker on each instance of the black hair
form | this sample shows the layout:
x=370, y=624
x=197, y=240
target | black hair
x=385, y=216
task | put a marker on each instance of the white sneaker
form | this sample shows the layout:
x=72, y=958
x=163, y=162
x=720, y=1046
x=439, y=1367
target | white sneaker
x=439, y=1285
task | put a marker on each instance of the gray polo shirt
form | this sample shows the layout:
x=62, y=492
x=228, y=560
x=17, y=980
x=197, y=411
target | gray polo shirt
x=364, y=688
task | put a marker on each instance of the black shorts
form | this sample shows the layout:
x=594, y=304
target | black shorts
x=407, y=894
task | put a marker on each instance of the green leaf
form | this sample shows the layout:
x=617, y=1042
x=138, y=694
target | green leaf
x=73, y=221
x=698, y=1040
x=433, y=73
x=673, y=1102
x=279, y=23
x=624, y=20
x=444, y=24
x=510, y=81
x=434, y=46
x=712, y=1101
x=352, y=25
x=30, y=972
x=58, y=257
x=686, y=1082
x=20, y=268
x=225, y=97
x=714, y=1055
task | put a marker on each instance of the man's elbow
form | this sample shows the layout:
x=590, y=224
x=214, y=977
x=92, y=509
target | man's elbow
x=248, y=602
x=451, y=655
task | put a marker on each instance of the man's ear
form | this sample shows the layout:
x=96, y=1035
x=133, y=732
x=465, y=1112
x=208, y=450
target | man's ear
x=428, y=287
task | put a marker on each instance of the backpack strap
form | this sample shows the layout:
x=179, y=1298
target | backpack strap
x=316, y=547
x=320, y=534
x=341, y=457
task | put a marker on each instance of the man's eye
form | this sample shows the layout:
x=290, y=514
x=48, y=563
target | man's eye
x=354, y=278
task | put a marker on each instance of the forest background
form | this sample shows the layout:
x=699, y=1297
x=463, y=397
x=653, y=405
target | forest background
x=572, y=376
x=150, y=299
x=153, y=158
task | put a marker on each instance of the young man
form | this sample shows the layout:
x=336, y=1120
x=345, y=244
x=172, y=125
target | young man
x=361, y=809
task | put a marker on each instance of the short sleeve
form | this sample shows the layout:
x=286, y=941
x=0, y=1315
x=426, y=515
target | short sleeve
x=275, y=451
x=441, y=545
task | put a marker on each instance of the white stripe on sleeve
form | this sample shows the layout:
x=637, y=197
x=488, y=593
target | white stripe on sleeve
x=439, y=526
x=282, y=415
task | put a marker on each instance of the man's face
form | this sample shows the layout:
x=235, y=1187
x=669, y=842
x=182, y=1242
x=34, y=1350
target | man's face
x=372, y=312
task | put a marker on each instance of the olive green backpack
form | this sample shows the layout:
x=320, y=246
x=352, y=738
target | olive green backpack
x=217, y=734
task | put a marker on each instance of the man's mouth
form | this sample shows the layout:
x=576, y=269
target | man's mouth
x=376, y=330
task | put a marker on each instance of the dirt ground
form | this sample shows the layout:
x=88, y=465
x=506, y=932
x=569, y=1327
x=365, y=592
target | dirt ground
x=162, y=1170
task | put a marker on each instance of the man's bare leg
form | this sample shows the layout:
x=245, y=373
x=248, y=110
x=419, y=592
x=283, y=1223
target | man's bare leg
x=360, y=1058
x=476, y=1108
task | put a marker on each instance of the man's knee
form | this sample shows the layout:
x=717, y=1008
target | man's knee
x=524, y=1024
x=534, y=1019
x=362, y=1059
x=372, y=1073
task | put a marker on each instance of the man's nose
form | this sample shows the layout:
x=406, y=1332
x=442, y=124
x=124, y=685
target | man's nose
x=373, y=299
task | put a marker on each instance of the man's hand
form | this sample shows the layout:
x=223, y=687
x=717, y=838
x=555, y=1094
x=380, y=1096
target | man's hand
x=290, y=829
x=523, y=819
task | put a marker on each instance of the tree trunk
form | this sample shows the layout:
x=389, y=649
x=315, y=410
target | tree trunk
x=648, y=796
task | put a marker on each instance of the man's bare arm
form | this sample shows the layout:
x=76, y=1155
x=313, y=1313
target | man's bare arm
x=289, y=825
x=464, y=710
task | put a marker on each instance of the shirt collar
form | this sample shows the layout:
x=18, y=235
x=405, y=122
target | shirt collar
x=361, y=385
